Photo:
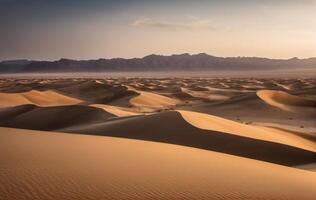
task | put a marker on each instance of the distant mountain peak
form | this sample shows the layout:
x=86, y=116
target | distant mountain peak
x=154, y=62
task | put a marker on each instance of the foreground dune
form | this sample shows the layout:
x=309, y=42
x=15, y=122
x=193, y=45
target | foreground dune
x=42, y=165
x=41, y=98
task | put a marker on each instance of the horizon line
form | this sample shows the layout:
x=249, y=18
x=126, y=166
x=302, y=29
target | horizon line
x=153, y=54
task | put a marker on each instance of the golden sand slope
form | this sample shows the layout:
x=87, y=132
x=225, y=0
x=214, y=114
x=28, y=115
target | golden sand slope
x=285, y=101
x=170, y=127
x=42, y=165
x=152, y=100
x=208, y=95
x=41, y=98
x=211, y=122
x=116, y=110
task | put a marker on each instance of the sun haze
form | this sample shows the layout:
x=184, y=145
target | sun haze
x=49, y=30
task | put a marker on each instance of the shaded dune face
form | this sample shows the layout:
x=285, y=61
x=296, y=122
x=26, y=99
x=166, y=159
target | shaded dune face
x=170, y=127
x=97, y=92
x=83, y=90
x=167, y=127
x=50, y=118
x=214, y=123
x=121, y=99
x=250, y=108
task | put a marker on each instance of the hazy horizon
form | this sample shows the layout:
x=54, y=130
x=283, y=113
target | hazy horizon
x=50, y=30
x=140, y=57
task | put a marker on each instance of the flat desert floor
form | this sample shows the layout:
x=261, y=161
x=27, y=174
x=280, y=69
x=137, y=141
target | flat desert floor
x=157, y=138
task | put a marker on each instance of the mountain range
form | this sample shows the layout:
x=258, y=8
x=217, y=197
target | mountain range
x=180, y=62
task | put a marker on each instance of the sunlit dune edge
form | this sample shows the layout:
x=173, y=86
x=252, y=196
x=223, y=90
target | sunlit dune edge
x=175, y=127
x=40, y=98
x=210, y=122
x=287, y=102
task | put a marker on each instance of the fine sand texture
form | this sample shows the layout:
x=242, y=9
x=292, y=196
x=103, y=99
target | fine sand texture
x=45, y=165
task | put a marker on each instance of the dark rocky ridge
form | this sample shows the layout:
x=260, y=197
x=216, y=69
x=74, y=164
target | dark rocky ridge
x=181, y=62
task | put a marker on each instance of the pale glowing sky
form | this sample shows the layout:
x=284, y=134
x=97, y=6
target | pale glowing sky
x=78, y=29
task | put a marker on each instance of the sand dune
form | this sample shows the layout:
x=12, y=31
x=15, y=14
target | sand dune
x=184, y=128
x=152, y=100
x=210, y=122
x=116, y=110
x=51, y=118
x=249, y=108
x=170, y=127
x=240, y=106
x=206, y=95
x=227, y=91
x=41, y=98
x=286, y=101
x=307, y=132
x=231, y=126
x=96, y=92
x=42, y=165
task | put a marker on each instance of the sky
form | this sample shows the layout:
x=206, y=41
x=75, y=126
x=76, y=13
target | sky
x=91, y=29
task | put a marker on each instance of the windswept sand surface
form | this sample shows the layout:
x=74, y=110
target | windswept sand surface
x=117, y=110
x=45, y=98
x=157, y=138
x=287, y=102
x=209, y=122
x=152, y=100
x=44, y=165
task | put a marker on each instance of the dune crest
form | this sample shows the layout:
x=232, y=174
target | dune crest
x=152, y=100
x=117, y=110
x=40, y=98
x=206, y=95
x=285, y=101
x=168, y=127
x=210, y=122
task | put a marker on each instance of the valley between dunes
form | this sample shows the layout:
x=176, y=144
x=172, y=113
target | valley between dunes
x=157, y=138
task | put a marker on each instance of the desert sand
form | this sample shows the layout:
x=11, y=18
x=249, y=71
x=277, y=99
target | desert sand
x=287, y=102
x=157, y=138
x=45, y=165
x=45, y=98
